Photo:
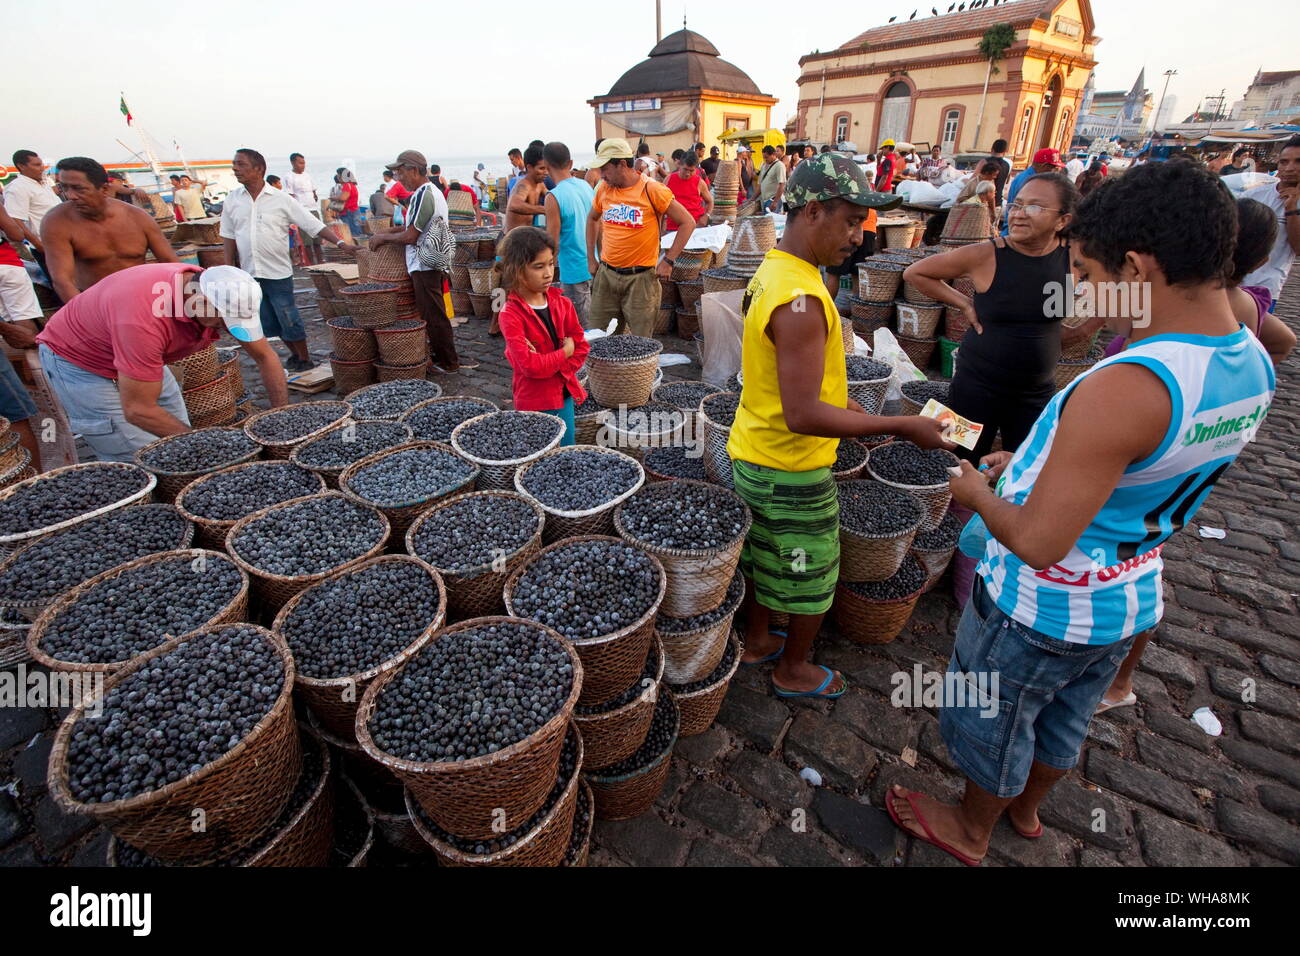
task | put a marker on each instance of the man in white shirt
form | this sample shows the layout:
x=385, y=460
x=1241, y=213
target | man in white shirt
x=1281, y=197
x=299, y=185
x=255, y=232
x=426, y=204
x=1075, y=166
x=28, y=198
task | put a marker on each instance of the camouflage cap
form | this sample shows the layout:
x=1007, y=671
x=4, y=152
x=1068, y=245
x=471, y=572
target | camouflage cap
x=833, y=176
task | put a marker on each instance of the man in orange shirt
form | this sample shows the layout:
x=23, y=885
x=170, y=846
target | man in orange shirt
x=624, y=224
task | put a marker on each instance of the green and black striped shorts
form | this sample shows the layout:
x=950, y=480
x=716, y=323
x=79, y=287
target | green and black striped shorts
x=792, y=553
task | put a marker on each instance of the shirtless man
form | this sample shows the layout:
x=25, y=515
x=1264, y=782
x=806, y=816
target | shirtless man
x=529, y=194
x=92, y=235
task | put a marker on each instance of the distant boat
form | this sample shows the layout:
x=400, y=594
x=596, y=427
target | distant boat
x=218, y=173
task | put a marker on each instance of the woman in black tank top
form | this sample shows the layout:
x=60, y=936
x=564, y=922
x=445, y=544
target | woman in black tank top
x=1006, y=365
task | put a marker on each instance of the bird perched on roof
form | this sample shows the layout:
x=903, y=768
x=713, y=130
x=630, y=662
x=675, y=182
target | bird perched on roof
x=892, y=19
x=952, y=7
x=913, y=16
x=934, y=11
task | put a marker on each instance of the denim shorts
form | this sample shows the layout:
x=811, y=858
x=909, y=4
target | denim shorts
x=15, y=402
x=1045, y=695
x=279, y=313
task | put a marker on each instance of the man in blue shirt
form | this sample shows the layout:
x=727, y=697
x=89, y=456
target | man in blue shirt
x=1045, y=161
x=568, y=205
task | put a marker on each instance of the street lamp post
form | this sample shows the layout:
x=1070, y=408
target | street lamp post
x=1169, y=74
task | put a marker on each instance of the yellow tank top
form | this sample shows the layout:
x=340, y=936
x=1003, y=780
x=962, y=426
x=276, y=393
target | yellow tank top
x=759, y=435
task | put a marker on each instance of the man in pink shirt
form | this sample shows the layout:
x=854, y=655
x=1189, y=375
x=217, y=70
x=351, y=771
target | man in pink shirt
x=106, y=352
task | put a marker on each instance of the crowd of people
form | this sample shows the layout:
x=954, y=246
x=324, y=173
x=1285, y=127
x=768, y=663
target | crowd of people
x=1066, y=520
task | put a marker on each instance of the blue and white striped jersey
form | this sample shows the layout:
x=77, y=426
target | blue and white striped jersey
x=1109, y=585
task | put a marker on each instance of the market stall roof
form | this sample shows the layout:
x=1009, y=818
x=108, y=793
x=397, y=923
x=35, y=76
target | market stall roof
x=1268, y=134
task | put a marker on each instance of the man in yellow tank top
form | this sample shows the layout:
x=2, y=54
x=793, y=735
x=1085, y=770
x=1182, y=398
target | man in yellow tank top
x=794, y=409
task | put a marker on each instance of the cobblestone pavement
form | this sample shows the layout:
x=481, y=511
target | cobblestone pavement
x=1151, y=788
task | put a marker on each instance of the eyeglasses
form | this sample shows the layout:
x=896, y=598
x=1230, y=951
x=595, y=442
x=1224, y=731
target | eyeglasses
x=1029, y=209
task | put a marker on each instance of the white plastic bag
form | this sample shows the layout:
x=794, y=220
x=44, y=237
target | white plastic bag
x=673, y=358
x=915, y=191
x=888, y=350
x=723, y=327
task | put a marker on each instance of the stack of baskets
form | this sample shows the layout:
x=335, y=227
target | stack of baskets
x=754, y=237
x=209, y=390
x=471, y=276
x=716, y=415
x=382, y=339
x=899, y=235
x=873, y=306
x=694, y=623
x=967, y=223
x=726, y=190
x=210, y=256
x=621, y=692
x=867, y=558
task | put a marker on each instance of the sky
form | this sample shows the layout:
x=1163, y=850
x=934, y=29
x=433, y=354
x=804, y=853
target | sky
x=325, y=78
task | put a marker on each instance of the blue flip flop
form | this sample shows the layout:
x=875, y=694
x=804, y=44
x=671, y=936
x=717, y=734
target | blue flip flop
x=775, y=655
x=830, y=676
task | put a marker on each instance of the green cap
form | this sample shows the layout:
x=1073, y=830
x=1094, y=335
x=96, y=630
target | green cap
x=832, y=176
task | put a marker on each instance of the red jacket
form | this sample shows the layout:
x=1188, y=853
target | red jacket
x=541, y=376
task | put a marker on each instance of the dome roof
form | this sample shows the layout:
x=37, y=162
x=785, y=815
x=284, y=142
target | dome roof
x=683, y=61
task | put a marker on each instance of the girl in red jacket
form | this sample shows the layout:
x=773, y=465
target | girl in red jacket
x=545, y=344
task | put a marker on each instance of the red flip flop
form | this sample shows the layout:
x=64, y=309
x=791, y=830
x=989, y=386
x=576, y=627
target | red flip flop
x=1028, y=834
x=928, y=836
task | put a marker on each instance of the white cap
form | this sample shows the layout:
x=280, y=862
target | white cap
x=742, y=148
x=237, y=297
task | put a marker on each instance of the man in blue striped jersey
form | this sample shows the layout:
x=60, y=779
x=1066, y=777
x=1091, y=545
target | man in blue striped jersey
x=1118, y=461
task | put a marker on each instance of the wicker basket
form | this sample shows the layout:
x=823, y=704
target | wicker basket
x=209, y=532
x=920, y=351
x=697, y=579
x=13, y=640
x=351, y=375
x=613, y=430
x=322, y=283
x=401, y=514
x=689, y=292
x=915, y=296
x=690, y=263
x=693, y=655
x=668, y=293
x=275, y=590
x=462, y=303
x=349, y=801
x=865, y=621
x=372, y=308
x=198, y=369
x=475, y=592
x=699, y=708
x=402, y=343
x=170, y=483
x=864, y=310
x=283, y=450
x=722, y=280
x=955, y=324
x=934, y=498
x=934, y=562
x=501, y=474
x=869, y=557
x=919, y=321
x=910, y=406
x=967, y=221
x=209, y=404
x=1068, y=371
x=233, y=375
x=871, y=393
x=610, y=662
x=11, y=542
x=878, y=280
x=611, y=735
x=482, y=276
x=898, y=237
x=236, y=609
x=459, y=275
x=334, y=700
x=632, y=794
x=623, y=382
x=331, y=474
x=544, y=844
x=570, y=524
x=378, y=224
x=665, y=320
x=584, y=818
x=506, y=787
x=351, y=343
x=717, y=463
x=239, y=791
x=12, y=451
x=388, y=263
x=482, y=305
x=688, y=322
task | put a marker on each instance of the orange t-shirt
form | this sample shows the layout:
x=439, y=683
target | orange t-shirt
x=629, y=220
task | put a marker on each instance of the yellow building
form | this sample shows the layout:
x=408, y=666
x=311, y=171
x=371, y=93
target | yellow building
x=922, y=81
x=682, y=94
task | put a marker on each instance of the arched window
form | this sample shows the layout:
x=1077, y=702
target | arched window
x=842, y=123
x=896, y=113
x=1063, y=139
x=951, y=122
x=1026, y=120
